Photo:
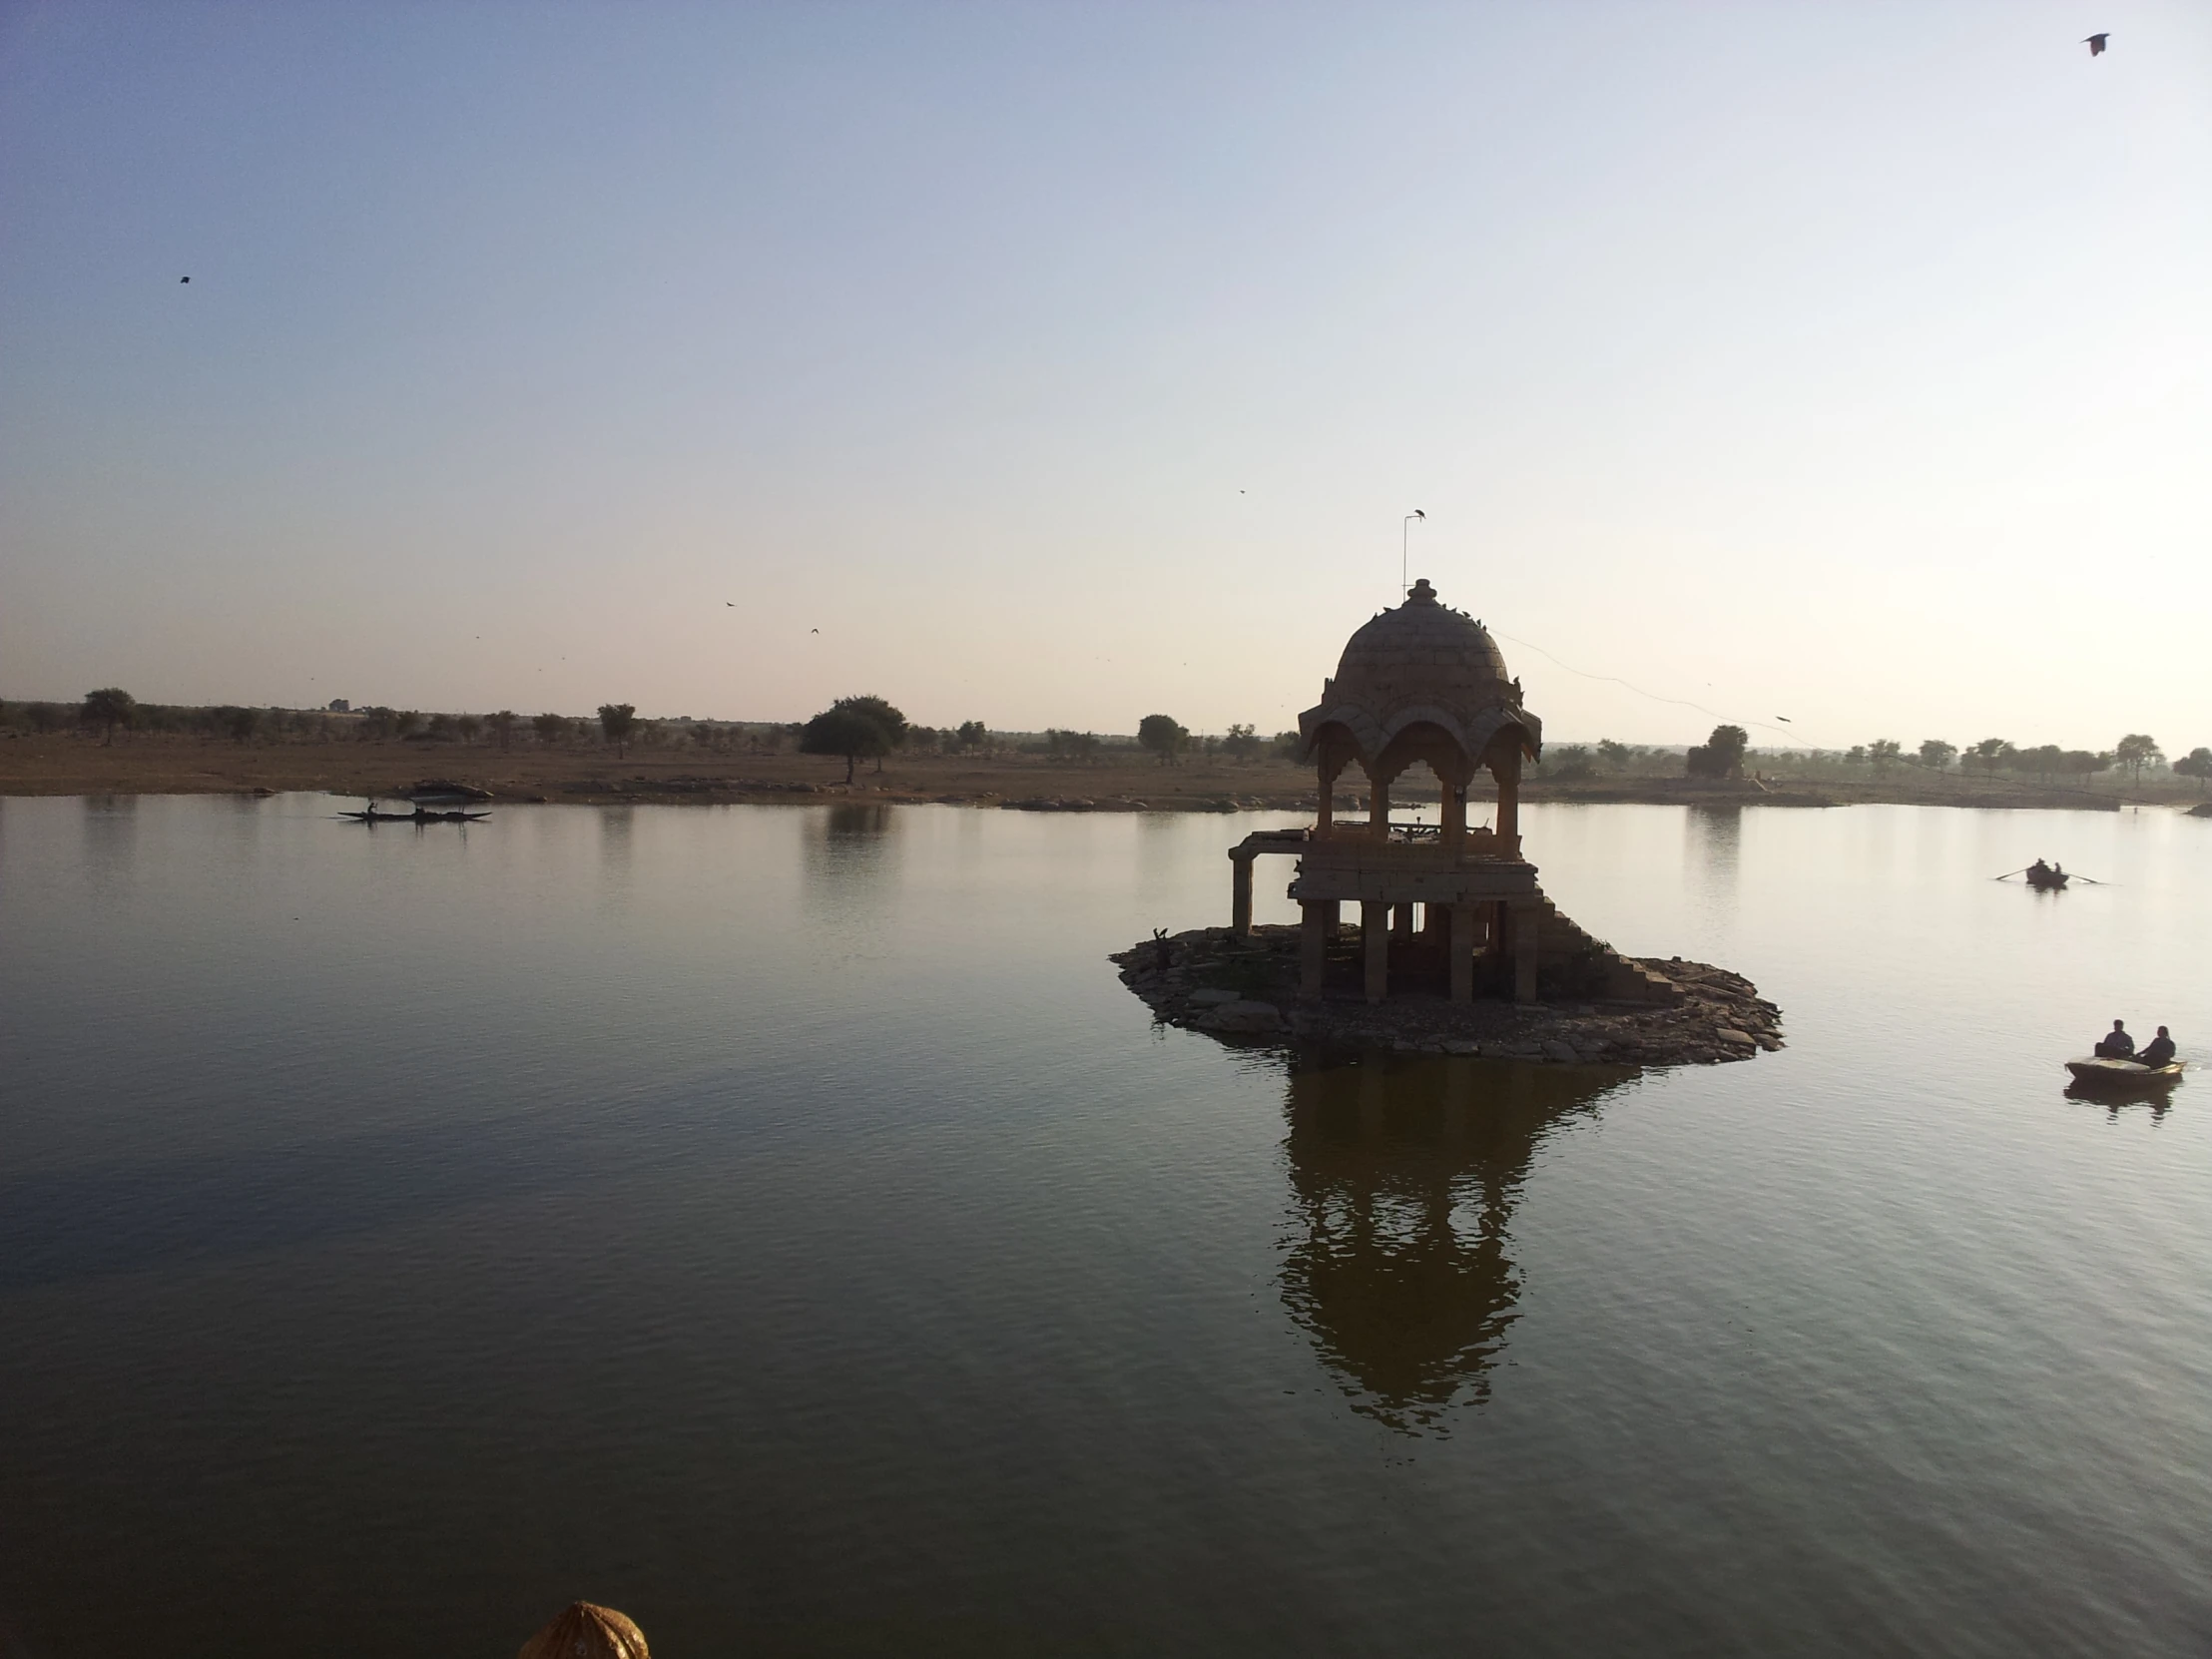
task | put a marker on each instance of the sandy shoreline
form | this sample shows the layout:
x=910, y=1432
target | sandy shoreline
x=72, y=763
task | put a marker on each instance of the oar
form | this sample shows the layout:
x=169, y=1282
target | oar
x=2008, y=874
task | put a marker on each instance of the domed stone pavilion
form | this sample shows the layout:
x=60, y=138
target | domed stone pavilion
x=1425, y=683
x=1442, y=905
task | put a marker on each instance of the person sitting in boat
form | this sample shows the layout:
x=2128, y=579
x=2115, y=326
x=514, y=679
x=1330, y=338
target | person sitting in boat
x=2159, y=1051
x=2038, y=871
x=2117, y=1045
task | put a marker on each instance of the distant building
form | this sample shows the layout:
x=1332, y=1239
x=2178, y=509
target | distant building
x=339, y=706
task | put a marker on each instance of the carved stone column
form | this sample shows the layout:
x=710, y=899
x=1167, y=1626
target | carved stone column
x=1506, y=770
x=1525, y=930
x=1375, y=941
x=1317, y=924
x=1463, y=953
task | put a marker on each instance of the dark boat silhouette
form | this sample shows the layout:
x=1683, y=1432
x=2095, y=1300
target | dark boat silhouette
x=2113, y=1076
x=419, y=816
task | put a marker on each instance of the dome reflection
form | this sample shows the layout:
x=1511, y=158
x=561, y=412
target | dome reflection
x=1404, y=1177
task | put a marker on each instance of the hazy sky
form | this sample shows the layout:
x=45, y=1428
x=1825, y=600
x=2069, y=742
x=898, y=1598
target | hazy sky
x=1065, y=362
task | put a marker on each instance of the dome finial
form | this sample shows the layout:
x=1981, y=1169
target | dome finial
x=1420, y=593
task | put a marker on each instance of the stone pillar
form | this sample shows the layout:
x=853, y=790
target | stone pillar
x=1317, y=924
x=1435, y=920
x=1240, y=895
x=1525, y=943
x=1507, y=773
x=1327, y=814
x=1455, y=815
x=1379, y=808
x=1463, y=953
x=1374, y=940
x=1401, y=920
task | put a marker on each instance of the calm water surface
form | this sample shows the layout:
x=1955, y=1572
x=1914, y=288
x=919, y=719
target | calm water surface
x=781, y=1225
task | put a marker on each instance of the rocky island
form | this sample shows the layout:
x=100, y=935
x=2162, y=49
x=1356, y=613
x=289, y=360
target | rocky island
x=1209, y=979
x=1457, y=950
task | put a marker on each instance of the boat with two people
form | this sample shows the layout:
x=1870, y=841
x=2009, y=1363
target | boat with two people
x=2116, y=1066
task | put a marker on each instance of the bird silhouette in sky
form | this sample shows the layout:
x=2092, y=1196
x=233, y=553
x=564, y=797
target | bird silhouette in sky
x=184, y=279
x=2096, y=44
x=1786, y=720
x=814, y=630
x=728, y=604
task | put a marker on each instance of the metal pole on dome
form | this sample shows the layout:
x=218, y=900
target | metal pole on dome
x=1404, y=528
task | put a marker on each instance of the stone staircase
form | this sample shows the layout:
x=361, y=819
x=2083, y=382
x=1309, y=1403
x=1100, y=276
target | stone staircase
x=1570, y=961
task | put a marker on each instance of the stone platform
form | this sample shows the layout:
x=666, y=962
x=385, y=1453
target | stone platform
x=1247, y=986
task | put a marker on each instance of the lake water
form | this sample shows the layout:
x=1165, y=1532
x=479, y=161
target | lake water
x=781, y=1225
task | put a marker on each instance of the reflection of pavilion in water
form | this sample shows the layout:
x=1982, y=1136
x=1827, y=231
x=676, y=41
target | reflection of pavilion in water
x=1404, y=1176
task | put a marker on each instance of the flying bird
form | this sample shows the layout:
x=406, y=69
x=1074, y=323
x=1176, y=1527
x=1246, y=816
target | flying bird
x=728, y=604
x=2095, y=43
x=184, y=279
x=1786, y=720
x=814, y=630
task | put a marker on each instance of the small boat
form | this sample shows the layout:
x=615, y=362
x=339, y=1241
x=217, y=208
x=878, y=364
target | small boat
x=418, y=815
x=2098, y=1072
x=2046, y=881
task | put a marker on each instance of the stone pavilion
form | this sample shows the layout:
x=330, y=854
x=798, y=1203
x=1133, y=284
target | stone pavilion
x=1450, y=907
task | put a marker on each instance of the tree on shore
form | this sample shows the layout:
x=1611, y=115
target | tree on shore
x=1242, y=745
x=2197, y=764
x=849, y=728
x=105, y=709
x=2081, y=764
x=1935, y=754
x=502, y=726
x=616, y=723
x=2136, y=750
x=971, y=735
x=1615, y=755
x=1883, y=754
x=1162, y=737
x=888, y=718
x=239, y=725
x=1719, y=754
x=1991, y=753
x=1072, y=745
x=549, y=727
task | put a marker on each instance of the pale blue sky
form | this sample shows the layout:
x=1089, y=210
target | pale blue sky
x=1061, y=362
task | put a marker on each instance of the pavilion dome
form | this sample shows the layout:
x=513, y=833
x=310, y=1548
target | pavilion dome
x=1421, y=663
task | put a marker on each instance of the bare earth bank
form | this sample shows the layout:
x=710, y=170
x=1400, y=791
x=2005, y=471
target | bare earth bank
x=71, y=764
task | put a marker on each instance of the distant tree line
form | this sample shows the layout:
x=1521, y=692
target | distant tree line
x=869, y=727
x=112, y=714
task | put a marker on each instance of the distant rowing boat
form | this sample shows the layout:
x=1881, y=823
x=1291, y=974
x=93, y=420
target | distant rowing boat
x=2046, y=881
x=418, y=815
